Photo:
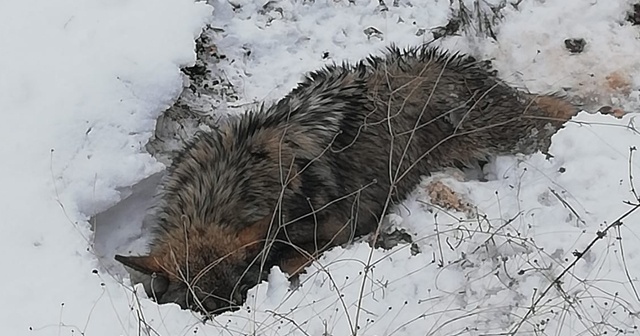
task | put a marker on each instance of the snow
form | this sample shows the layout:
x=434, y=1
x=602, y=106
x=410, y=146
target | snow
x=83, y=83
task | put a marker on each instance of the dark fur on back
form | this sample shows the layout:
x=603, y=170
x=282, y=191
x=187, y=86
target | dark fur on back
x=281, y=184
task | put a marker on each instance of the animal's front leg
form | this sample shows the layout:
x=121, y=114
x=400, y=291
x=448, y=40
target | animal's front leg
x=295, y=264
x=308, y=241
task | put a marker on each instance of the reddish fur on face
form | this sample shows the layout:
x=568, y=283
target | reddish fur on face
x=182, y=247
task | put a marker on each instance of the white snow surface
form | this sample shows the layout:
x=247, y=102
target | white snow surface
x=82, y=83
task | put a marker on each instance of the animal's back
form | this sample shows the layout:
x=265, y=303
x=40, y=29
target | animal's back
x=406, y=114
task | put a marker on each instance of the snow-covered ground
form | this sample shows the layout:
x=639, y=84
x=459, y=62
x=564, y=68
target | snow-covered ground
x=83, y=82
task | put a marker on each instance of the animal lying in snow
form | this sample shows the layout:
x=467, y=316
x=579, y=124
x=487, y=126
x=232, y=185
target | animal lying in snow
x=280, y=185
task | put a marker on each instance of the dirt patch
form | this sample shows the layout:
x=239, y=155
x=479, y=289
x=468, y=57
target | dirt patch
x=201, y=105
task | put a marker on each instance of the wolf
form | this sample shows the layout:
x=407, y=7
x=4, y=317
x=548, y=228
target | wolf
x=285, y=182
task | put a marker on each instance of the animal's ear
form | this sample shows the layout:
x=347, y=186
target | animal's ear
x=253, y=236
x=144, y=264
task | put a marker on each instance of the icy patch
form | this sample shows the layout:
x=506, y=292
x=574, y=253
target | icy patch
x=126, y=227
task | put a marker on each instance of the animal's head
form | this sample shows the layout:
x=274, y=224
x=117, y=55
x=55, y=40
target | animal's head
x=207, y=269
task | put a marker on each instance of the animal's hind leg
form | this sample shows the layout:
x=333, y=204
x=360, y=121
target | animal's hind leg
x=548, y=114
x=555, y=108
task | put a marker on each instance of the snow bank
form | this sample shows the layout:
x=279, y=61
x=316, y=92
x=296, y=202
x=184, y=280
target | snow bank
x=82, y=84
